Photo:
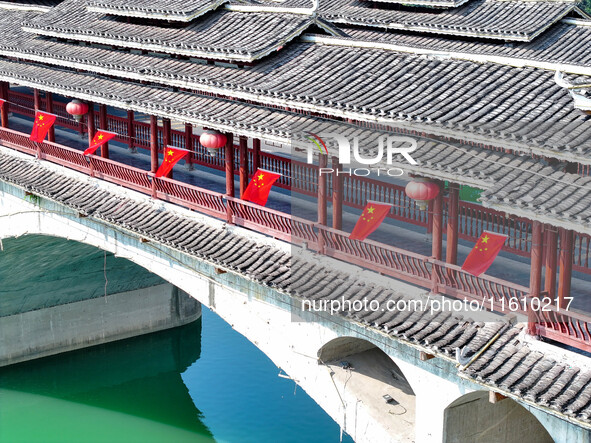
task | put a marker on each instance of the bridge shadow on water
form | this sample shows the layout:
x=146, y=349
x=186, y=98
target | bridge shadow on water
x=130, y=390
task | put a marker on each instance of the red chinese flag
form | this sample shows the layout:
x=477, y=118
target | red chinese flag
x=101, y=137
x=43, y=121
x=372, y=216
x=484, y=253
x=171, y=156
x=260, y=186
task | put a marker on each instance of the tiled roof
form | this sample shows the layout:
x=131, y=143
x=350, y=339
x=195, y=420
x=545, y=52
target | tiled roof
x=177, y=10
x=29, y=5
x=558, y=197
x=223, y=35
x=517, y=108
x=519, y=20
x=564, y=44
x=507, y=365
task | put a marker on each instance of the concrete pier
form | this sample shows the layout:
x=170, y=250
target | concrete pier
x=76, y=325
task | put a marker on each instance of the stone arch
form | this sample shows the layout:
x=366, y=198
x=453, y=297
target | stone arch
x=363, y=369
x=472, y=417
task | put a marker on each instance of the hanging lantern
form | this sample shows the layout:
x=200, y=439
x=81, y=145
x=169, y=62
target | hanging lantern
x=212, y=140
x=422, y=191
x=76, y=109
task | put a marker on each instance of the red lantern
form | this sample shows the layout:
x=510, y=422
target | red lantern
x=76, y=109
x=212, y=140
x=422, y=190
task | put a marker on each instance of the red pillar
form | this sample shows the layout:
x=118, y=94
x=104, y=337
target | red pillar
x=36, y=99
x=535, y=275
x=256, y=151
x=243, y=173
x=229, y=161
x=322, y=190
x=104, y=124
x=551, y=248
x=4, y=88
x=153, y=143
x=130, y=131
x=189, y=144
x=337, y=194
x=90, y=122
x=453, y=204
x=437, y=218
x=565, y=261
x=166, y=138
x=49, y=108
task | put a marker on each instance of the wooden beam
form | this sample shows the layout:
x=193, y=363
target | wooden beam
x=131, y=131
x=322, y=190
x=229, y=162
x=551, y=260
x=153, y=143
x=243, y=172
x=453, y=202
x=565, y=261
x=256, y=151
x=49, y=108
x=104, y=124
x=90, y=122
x=535, y=273
x=4, y=89
x=495, y=397
x=337, y=194
x=437, y=245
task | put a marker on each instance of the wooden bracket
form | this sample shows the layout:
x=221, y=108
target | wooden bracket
x=424, y=356
x=495, y=397
x=144, y=240
x=219, y=271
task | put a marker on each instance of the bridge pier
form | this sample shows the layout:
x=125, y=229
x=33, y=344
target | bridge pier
x=61, y=328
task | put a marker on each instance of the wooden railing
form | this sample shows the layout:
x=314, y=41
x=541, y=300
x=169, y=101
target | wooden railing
x=494, y=294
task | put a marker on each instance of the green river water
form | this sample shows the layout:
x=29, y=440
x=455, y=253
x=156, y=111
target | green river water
x=200, y=383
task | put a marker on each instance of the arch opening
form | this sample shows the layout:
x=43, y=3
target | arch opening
x=473, y=417
x=362, y=369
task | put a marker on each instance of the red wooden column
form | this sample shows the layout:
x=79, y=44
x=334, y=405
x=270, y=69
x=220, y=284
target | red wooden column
x=243, y=172
x=453, y=202
x=256, y=151
x=565, y=261
x=189, y=144
x=131, y=132
x=37, y=106
x=104, y=124
x=49, y=108
x=229, y=162
x=4, y=88
x=36, y=99
x=322, y=190
x=90, y=122
x=535, y=274
x=166, y=138
x=337, y=194
x=153, y=143
x=437, y=217
x=551, y=248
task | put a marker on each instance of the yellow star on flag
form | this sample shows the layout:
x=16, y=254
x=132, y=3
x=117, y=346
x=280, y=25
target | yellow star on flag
x=261, y=176
x=40, y=117
x=485, y=239
x=170, y=152
x=100, y=137
x=370, y=210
